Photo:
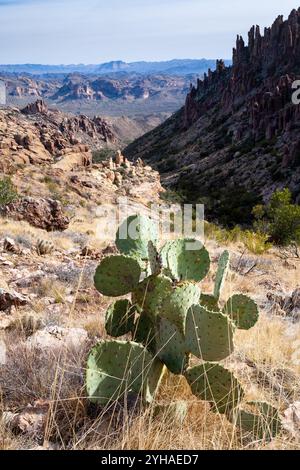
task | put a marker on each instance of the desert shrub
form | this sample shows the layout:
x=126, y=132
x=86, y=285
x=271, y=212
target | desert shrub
x=8, y=192
x=256, y=242
x=233, y=206
x=102, y=155
x=172, y=197
x=280, y=218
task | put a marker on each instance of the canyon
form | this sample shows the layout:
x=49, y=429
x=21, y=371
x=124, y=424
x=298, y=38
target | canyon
x=236, y=139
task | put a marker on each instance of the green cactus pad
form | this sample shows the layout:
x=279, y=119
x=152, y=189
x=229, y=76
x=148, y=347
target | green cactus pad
x=144, y=331
x=209, y=302
x=213, y=383
x=150, y=294
x=186, y=264
x=176, y=305
x=242, y=310
x=154, y=266
x=116, y=369
x=259, y=418
x=223, y=266
x=119, y=318
x=143, y=229
x=171, y=347
x=164, y=258
x=209, y=335
x=117, y=275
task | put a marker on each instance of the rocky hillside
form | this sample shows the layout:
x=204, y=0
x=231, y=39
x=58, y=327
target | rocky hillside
x=236, y=139
x=37, y=135
x=145, y=100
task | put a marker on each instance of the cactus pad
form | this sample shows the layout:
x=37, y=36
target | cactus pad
x=119, y=318
x=137, y=231
x=150, y=294
x=117, y=275
x=242, y=310
x=154, y=265
x=164, y=258
x=144, y=331
x=223, y=266
x=209, y=302
x=187, y=264
x=259, y=418
x=118, y=368
x=176, y=305
x=209, y=335
x=171, y=347
x=213, y=383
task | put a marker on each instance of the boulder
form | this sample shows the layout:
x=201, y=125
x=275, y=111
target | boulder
x=55, y=337
x=9, y=299
x=46, y=214
x=39, y=107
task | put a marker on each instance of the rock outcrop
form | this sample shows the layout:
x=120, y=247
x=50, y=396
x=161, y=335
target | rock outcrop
x=39, y=107
x=46, y=214
x=9, y=299
x=37, y=135
x=239, y=125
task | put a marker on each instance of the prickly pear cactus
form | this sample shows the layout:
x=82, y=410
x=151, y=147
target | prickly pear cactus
x=171, y=347
x=209, y=335
x=134, y=236
x=209, y=302
x=145, y=332
x=258, y=418
x=175, y=306
x=171, y=323
x=242, y=310
x=214, y=383
x=119, y=318
x=223, y=266
x=187, y=260
x=116, y=369
x=150, y=294
x=117, y=275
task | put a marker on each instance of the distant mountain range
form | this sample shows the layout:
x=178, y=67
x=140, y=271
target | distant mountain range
x=171, y=67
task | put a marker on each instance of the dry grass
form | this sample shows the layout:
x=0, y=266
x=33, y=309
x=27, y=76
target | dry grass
x=72, y=423
x=266, y=361
x=27, y=235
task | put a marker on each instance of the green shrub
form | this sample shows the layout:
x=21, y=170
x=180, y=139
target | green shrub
x=8, y=192
x=102, y=155
x=280, y=219
x=256, y=242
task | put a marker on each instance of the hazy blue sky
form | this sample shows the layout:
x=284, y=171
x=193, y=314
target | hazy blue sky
x=94, y=31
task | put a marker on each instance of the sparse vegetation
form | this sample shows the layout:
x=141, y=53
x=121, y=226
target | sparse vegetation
x=8, y=192
x=102, y=155
x=279, y=219
x=256, y=242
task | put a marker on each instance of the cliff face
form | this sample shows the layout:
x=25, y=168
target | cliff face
x=239, y=127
